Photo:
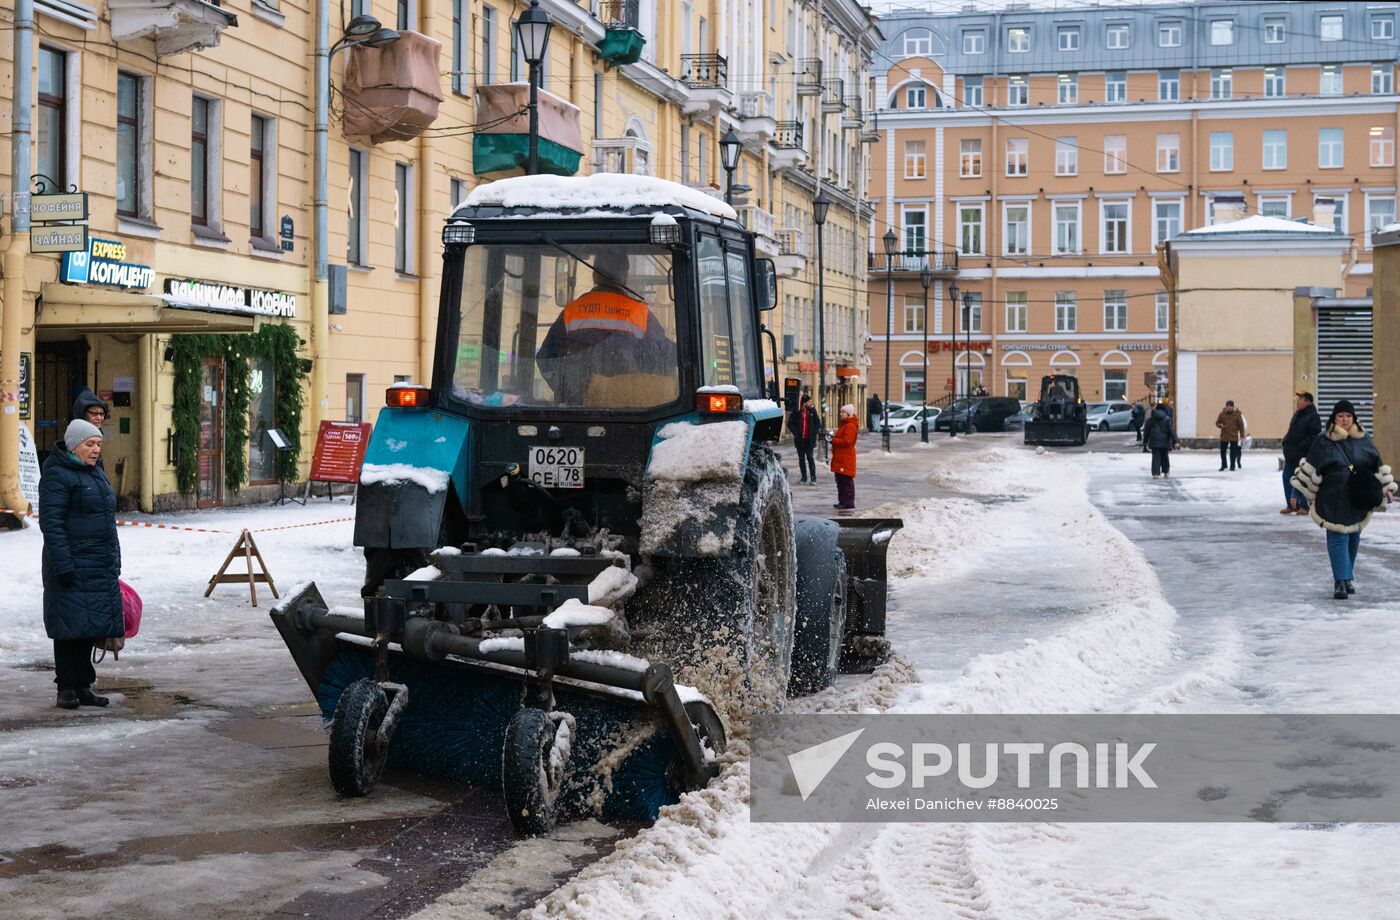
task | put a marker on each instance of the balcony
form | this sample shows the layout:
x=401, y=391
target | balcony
x=942, y=261
x=834, y=96
x=854, y=116
x=756, y=125
x=622, y=155
x=392, y=92
x=176, y=25
x=788, y=149
x=809, y=77
x=504, y=143
x=707, y=78
x=622, y=41
x=764, y=226
x=792, y=252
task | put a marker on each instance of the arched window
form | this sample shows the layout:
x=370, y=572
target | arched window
x=1115, y=358
x=918, y=42
x=1160, y=359
x=1016, y=359
x=1063, y=360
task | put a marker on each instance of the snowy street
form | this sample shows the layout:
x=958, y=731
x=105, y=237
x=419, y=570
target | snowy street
x=1023, y=582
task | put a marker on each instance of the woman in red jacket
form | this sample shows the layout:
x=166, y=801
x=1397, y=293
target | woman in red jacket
x=843, y=458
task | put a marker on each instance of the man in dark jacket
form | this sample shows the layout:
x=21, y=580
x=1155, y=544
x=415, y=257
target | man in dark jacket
x=1139, y=415
x=805, y=426
x=81, y=561
x=1230, y=421
x=1302, y=431
x=1160, y=437
x=874, y=410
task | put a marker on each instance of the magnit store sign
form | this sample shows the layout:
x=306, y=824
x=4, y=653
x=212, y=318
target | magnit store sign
x=104, y=264
x=235, y=299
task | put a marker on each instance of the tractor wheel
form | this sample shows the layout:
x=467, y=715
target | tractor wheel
x=383, y=565
x=356, y=757
x=532, y=770
x=821, y=607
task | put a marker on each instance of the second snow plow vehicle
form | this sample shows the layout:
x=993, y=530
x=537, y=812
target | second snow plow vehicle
x=583, y=507
x=1060, y=418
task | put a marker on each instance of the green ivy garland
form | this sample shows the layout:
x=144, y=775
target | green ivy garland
x=274, y=342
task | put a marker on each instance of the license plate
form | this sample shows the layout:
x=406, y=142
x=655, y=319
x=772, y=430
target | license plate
x=557, y=467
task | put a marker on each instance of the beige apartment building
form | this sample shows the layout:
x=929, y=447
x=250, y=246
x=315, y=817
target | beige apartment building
x=190, y=130
x=1040, y=157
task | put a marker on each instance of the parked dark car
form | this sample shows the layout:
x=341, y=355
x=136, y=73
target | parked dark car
x=1017, y=422
x=986, y=413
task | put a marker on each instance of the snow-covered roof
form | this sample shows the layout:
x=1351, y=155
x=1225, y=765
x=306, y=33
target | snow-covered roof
x=601, y=190
x=1258, y=223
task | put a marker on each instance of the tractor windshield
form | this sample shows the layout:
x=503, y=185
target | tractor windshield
x=567, y=325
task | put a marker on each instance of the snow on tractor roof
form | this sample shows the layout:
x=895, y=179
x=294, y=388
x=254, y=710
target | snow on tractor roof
x=602, y=190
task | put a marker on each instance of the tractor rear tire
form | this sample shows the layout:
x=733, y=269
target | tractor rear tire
x=355, y=757
x=821, y=607
x=529, y=782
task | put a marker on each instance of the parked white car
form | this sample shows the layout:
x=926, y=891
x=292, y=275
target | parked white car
x=904, y=421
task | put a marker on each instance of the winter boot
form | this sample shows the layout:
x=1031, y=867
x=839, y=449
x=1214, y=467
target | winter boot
x=67, y=699
x=1351, y=588
x=1339, y=590
x=87, y=698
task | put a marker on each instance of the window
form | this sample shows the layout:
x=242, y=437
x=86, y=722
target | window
x=131, y=143
x=1115, y=87
x=1276, y=149
x=972, y=92
x=915, y=160
x=1168, y=85
x=52, y=118
x=1275, y=205
x=970, y=229
x=262, y=415
x=1115, y=154
x=456, y=191
x=1222, y=31
x=488, y=45
x=460, y=39
x=1168, y=153
x=1066, y=156
x=1339, y=213
x=1068, y=89
x=1116, y=231
x=1166, y=220
x=1274, y=30
x=1067, y=240
x=1273, y=81
x=1015, y=311
x=1382, y=146
x=1169, y=34
x=1380, y=212
x=970, y=158
x=914, y=314
x=1116, y=37
x=970, y=319
x=974, y=41
x=1066, y=308
x=1222, y=83
x=403, y=218
x=1115, y=385
x=1069, y=38
x=1330, y=28
x=916, y=42
x=356, y=210
x=1382, y=79
x=259, y=204
x=1016, y=155
x=200, y=158
x=1115, y=311
x=354, y=397
x=1222, y=151
x=913, y=386
x=916, y=96
x=407, y=16
x=1330, y=80
x=915, y=231
x=1329, y=148
x=1018, y=39
x=1017, y=91
x=1382, y=28
x=1016, y=228
x=1163, y=311
x=1016, y=384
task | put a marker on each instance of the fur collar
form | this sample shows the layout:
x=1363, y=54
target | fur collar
x=1336, y=434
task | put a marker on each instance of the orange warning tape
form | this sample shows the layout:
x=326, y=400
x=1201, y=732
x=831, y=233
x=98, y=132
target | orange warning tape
x=154, y=526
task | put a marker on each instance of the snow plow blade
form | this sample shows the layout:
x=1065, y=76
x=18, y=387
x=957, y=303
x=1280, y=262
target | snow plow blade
x=865, y=543
x=1067, y=433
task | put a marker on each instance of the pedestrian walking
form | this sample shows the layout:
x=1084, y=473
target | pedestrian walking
x=1160, y=437
x=1230, y=421
x=81, y=561
x=1345, y=482
x=805, y=426
x=1303, y=429
x=875, y=410
x=843, y=458
x=1139, y=415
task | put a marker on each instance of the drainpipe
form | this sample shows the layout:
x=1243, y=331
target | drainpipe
x=428, y=230
x=13, y=319
x=320, y=300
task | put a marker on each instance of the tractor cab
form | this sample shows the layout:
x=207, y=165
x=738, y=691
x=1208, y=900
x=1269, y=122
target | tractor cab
x=1060, y=416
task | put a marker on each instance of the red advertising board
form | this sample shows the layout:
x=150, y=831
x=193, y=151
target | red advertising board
x=340, y=449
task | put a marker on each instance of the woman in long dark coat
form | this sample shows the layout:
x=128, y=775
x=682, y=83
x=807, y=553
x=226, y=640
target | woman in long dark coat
x=1341, y=453
x=81, y=562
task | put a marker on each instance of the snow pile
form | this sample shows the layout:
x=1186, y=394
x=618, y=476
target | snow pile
x=759, y=405
x=572, y=613
x=610, y=659
x=600, y=190
x=426, y=573
x=503, y=644
x=611, y=586
x=392, y=474
x=693, y=453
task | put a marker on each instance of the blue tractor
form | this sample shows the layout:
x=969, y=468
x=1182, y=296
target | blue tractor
x=585, y=507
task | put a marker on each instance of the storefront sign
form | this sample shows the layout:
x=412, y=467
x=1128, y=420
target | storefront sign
x=255, y=301
x=807, y=367
x=340, y=449
x=24, y=378
x=104, y=264
x=60, y=238
x=935, y=347
x=28, y=466
x=51, y=208
x=1141, y=346
x=847, y=372
x=1020, y=347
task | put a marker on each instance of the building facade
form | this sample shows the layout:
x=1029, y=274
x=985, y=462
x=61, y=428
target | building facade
x=1041, y=156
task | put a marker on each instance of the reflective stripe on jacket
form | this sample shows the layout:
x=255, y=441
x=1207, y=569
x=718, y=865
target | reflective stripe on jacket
x=606, y=310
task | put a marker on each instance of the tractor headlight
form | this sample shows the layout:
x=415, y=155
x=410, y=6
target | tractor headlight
x=458, y=233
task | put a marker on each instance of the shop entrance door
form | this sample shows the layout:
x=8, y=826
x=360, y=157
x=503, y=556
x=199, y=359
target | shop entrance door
x=211, y=433
x=60, y=371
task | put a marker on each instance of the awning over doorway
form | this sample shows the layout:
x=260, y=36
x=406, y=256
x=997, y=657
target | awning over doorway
x=85, y=309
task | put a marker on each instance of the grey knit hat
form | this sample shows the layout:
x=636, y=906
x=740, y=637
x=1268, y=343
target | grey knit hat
x=79, y=430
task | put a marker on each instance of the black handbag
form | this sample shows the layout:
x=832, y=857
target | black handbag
x=1363, y=488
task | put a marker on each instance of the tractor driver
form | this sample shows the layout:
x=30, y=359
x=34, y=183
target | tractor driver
x=607, y=348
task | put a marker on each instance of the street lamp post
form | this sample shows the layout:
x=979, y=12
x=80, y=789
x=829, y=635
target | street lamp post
x=953, y=404
x=967, y=352
x=820, y=205
x=729, y=146
x=926, y=279
x=891, y=241
x=532, y=36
